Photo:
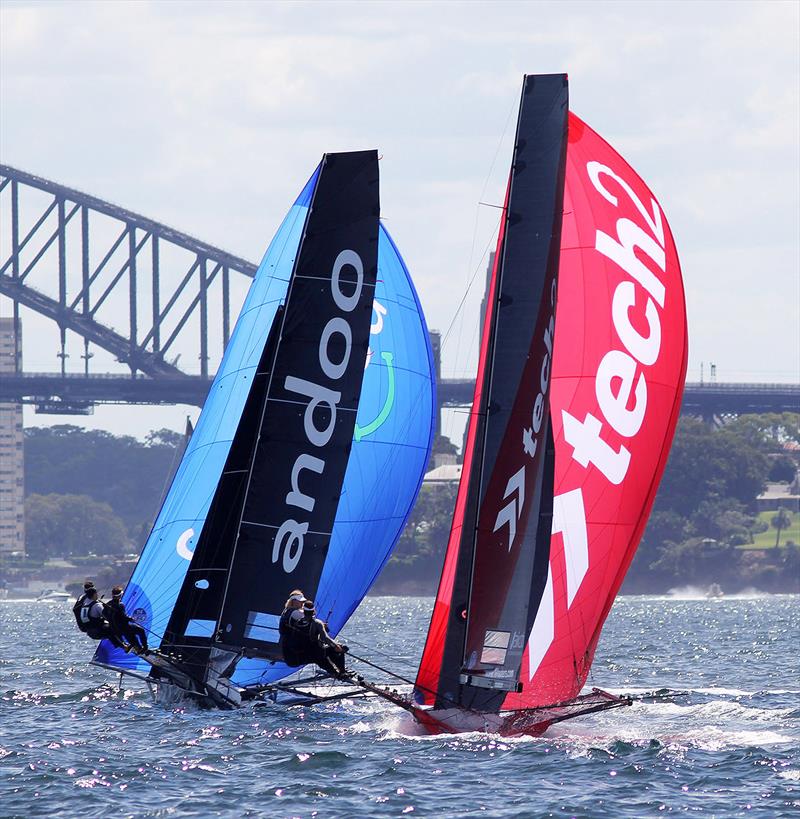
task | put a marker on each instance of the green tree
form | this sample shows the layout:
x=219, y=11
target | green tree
x=783, y=468
x=70, y=525
x=723, y=519
x=164, y=437
x=781, y=520
x=768, y=431
x=791, y=563
x=442, y=444
x=417, y=558
x=706, y=464
x=127, y=474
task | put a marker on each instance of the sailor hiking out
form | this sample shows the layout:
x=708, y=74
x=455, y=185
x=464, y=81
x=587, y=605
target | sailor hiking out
x=125, y=627
x=92, y=620
x=78, y=605
x=305, y=638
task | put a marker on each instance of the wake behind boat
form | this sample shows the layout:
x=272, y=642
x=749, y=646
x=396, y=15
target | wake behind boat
x=579, y=384
x=326, y=387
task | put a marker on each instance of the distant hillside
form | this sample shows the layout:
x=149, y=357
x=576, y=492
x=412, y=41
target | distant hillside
x=104, y=490
x=127, y=474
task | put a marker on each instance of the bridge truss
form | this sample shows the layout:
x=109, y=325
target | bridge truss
x=81, y=262
x=90, y=252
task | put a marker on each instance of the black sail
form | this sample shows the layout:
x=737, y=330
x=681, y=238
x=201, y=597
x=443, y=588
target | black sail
x=501, y=544
x=307, y=427
x=271, y=518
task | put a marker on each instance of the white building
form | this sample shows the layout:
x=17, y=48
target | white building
x=12, y=497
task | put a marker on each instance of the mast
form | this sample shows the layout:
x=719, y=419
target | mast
x=477, y=636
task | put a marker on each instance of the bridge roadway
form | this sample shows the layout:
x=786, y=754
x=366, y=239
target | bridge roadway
x=76, y=392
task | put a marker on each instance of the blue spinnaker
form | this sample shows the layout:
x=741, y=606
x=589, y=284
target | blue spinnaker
x=391, y=447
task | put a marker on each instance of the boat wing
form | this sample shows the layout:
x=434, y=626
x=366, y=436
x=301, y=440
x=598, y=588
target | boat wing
x=392, y=437
x=553, y=501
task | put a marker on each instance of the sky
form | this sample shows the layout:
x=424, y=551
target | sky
x=210, y=116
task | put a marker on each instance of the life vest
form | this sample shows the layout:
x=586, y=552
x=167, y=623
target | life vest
x=76, y=610
x=86, y=615
x=295, y=639
x=116, y=614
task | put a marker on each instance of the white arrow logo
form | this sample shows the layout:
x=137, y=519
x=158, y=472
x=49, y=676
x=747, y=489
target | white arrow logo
x=513, y=509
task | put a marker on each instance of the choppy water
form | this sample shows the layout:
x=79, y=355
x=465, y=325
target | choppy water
x=71, y=744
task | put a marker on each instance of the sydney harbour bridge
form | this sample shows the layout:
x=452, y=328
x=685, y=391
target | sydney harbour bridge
x=80, y=264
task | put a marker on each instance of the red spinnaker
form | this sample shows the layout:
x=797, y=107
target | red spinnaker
x=618, y=373
x=619, y=364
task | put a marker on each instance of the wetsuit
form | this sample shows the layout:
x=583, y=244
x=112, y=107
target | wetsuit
x=95, y=625
x=328, y=651
x=294, y=638
x=124, y=626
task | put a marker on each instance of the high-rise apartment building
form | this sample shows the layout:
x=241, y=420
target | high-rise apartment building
x=12, y=497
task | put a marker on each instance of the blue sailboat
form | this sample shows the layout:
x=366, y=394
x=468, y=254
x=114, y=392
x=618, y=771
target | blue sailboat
x=325, y=389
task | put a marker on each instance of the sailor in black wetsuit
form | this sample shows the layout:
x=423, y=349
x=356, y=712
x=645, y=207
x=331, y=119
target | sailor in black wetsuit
x=125, y=627
x=76, y=608
x=294, y=639
x=94, y=622
x=305, y=639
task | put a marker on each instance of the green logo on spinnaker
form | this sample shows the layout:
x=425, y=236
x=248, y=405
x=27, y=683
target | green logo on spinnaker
x=362, y=432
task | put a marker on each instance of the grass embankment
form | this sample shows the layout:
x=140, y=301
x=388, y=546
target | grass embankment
x=766, y=540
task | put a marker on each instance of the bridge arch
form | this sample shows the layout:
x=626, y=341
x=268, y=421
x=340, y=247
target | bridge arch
x=93, y=252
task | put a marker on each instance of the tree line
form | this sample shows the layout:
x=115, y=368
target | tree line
x=705, y=510
x=91, y=492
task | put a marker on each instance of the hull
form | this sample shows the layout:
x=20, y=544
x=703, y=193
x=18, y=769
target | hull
x=458, y=721
x=532, y=722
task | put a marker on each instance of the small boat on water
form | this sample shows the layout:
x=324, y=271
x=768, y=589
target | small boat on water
x=578, y=391
x=52, y=595
x=325, y=390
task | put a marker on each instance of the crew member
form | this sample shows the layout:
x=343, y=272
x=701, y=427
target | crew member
x=293, y=637
x=309, y=642
x=76, y=608
x=125, y=627
x=94, y=622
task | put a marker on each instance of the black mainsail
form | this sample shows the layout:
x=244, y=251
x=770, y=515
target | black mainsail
x=271, y=517
x=498, y=549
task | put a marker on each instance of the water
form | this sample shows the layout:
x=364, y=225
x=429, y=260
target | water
x=71, y=744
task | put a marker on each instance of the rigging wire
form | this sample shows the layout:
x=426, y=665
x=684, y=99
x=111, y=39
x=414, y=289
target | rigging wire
x=441, y=697
x=471, y=280
x=402, y=660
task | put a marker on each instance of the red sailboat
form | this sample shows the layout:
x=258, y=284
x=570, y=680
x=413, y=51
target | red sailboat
x=578, y=391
